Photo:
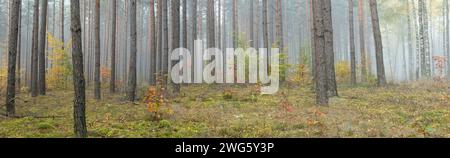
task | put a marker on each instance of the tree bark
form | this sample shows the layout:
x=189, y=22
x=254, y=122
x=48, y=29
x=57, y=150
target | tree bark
x=252, y=24
x=12, y=52
x=194, y=30
x=378, y=43
x=34, y=51
x=131, y=95
x=97, y=84
x=447, y=35
x=176, y=37
x=265, y=25
x=352, y=44
x=320, y=52
x=112, y=86
x=160, y=39
x=424, y=41
x=210, y=23
x=409, y=42
x=362, y=44
x=153, y=44
x=185, y=27
x=165, y=54
x=62, y=24
x=329, y=49
x=19, y=43
x=78, y=74
x=235, y=24
x=43, y=37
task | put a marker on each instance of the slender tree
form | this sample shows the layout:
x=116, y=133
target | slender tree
x=194, y=29
x=19, y=50
x=185, y=28
x=378, y=43
x=165, y=54
x=235, y=24
x=211, y=26
x=12, y=55
x=78, y=73
x=97, y=84
x=265, y=24
x=175, y=37
x=409, y=42
x=329, y=48
x=352, y=43
x=43, y=37
x=160, y=38
x=62, y=23
x=131, y=95
x=112, y=86
x=425, y=63
x=252, y=24
x=34, y=51
x=362, y=44
x=153, y=43
x=447, y=34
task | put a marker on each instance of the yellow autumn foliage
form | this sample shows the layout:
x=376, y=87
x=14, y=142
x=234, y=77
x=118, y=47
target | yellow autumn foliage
x=60, y=71
x=343, y=72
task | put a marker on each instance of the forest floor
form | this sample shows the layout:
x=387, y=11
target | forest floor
x=413, y=110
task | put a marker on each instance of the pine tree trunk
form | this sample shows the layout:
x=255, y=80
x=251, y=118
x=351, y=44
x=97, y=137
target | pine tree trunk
x=320, y=52
x=19, y=43
x=252, y=24
x=352, y=43
x=12, y=57
x=165, y=54
x=34, y=51
x=131, y=95
x=176, y=37
x=78, y=74
x=362, y=46
x=194, y=31
x=210, y=24
x=112, y=86
x=185, y=27
x=97, y=84
x=378, y=43
x=447, y=35
x=235, y=24
x=62, y=24
x=43, y=37
x=160, y=39
x=153, y=44
x=265, y=24
x=329, y=49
